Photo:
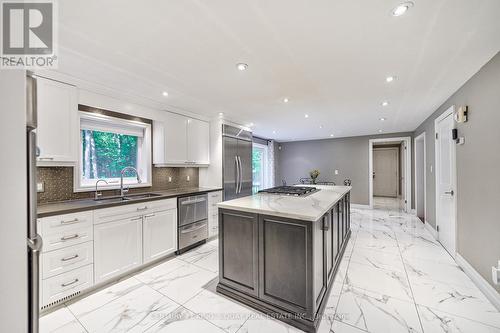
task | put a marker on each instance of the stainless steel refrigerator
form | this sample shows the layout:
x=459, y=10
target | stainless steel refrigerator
x=237, y=162
x=34, y=240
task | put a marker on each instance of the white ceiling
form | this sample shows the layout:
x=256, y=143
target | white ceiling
x=329, y=57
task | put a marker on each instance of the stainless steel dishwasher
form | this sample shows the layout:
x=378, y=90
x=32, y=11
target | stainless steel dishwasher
x=193, y=221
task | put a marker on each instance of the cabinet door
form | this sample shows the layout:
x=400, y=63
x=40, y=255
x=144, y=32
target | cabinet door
x=198, y=141
x=175, y=134
x=117, y=247
x=57, y=129
x=160, y=234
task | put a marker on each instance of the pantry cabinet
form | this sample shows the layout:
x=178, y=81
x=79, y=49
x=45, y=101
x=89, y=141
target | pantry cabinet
x=180, y=141
x=57, y=127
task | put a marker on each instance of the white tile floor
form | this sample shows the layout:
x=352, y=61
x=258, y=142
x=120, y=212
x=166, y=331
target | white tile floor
x=394, y=278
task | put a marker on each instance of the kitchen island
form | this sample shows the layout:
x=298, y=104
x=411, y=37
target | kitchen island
x=279, y=253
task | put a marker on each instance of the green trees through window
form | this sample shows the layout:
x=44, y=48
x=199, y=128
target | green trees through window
x=105, y=154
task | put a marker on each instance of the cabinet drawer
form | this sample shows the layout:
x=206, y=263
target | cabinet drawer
x=213, y=224
x=66, y=238
x=161, y=205
x=62, y=285
x=66, y=259
x=64, y=223
x=121, y=212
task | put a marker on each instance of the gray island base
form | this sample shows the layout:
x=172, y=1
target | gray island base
x=282, y=266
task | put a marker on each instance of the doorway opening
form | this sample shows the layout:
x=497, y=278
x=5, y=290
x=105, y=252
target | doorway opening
x=390, y=173
x=420, y=177
x=260, y=167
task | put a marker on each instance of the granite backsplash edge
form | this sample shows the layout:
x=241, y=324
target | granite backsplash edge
x=58, y=183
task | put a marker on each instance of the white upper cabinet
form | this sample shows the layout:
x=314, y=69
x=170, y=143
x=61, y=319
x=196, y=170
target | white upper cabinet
x=57, y=129
x=198, y=143
x=180, y=140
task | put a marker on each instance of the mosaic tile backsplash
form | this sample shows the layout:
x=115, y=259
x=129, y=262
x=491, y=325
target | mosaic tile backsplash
x=58, y=183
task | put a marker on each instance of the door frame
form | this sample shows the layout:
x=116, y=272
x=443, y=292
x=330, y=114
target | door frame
x=406, y=171
x=421, y=137
x=448, y=112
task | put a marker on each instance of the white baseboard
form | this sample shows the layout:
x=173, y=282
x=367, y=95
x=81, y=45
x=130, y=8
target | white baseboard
x=491, y=294
x=431, y=230
x=360, y=206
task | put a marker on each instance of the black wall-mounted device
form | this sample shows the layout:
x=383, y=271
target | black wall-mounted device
x=454, y=134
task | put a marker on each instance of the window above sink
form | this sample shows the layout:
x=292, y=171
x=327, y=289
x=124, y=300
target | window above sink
x=109, y=143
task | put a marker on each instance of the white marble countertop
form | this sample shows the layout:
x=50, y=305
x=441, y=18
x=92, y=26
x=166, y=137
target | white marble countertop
x=310, y=208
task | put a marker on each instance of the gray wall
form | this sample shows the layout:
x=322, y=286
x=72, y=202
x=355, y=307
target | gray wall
x=348, y=155
x=478, y=166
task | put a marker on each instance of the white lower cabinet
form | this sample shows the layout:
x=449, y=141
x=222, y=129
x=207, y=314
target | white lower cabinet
x=213, y=213
x=59, y=287
x=159, y=234
x=117, y=247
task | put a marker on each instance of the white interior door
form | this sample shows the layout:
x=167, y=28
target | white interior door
x=445, y=182
x=385, y=172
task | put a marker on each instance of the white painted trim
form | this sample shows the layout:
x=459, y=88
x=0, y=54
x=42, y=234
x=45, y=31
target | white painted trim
x=407, y=173
x=418, y=138
x=358, y=206
x=431, y=230
x=445, y=114
x=491, y=294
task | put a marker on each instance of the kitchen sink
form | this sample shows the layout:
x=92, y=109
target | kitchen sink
x=128, y=197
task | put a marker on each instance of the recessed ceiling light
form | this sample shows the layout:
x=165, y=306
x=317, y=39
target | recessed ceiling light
x=165, y=93
x=380, y=131
x=285, y=100
x=274, y=132
x=320, y=126
x=250, y=125
x=306, y=116
x=221, y=114
x=331, y=135
x=389, y=79
x=382, y=119
x=402, y=8
x=385, y=103
x=241, y=66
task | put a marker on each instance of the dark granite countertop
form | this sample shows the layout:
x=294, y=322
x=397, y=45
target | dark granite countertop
x=74, y=206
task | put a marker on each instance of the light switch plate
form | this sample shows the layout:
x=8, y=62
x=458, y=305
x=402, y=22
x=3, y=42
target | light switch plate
x=40, y=187
x=169, y=179
x=495, y=274
x=188, y=178
x=336, y=172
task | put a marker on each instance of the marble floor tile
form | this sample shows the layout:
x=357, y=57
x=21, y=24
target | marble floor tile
x=336, y=326
x=183, y=283
x=133, y=312
x=102, y=297
x=333, y=300
x=198, y=253
x=260, y=323
x=375, y=312
x=60, y=321
x=183, y=321
x=391, y=283
x=466, y=302
x=436, y=321
x=209, y=262
x=219, y=310
x=448, y=272
x=155, y=277
x=430, y=252
x=377, y=259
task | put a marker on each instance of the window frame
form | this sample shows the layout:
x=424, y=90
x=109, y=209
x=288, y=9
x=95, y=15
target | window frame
x=265, y=163
x=145, y=155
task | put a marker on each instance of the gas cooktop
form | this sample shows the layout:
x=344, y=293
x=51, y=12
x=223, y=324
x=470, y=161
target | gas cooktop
x=291, y=190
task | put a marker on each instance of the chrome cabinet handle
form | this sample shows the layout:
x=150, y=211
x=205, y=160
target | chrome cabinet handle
x=75, y=220
x=142, y=208
x=65, y=238
x=150, y=215
x=450, y=192
x=241, y=174
x=69, y=283
x=186, y=231
x=70, y=258
x=136, y=219
x=237, y=182
x=46, y=158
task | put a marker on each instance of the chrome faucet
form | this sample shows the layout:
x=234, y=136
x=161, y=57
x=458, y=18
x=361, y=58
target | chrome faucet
x=122, y=190
x=97, y=194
